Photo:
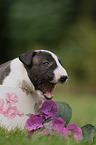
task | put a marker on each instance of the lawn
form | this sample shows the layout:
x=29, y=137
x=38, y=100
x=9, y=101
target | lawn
x=83, y=112
x=83, y=107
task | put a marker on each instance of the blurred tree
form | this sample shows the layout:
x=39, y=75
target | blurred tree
x=26, y=23
x=39, y=21
x=4, y=34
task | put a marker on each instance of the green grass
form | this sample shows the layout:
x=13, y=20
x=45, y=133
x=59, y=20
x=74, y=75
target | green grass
x=83, y=107
x=83, y=112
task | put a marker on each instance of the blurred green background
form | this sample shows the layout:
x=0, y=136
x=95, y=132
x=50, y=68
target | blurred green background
x=65, y=27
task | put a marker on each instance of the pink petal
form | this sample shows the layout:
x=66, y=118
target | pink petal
x=21, y=114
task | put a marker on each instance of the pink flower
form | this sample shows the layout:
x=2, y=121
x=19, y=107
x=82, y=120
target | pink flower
x=12, y=98
x=2, y=102
x=77, y=132
x=48, y=109
x=21, y=114
x=10, y=112
x=78, y=136
x=58, y=124
x=64, y=132
x=34, y=122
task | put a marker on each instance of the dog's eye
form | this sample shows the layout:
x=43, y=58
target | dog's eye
x=46, y=63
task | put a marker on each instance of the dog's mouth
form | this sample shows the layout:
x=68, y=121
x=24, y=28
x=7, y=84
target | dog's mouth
x=48, y=89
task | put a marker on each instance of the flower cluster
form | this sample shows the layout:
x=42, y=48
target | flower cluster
x=7, y=107
x=45, y=122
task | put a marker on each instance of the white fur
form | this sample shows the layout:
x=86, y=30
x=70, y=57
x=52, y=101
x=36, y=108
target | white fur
x=18, y=76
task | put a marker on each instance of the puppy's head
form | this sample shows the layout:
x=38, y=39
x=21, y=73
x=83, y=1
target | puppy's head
x=44, y=70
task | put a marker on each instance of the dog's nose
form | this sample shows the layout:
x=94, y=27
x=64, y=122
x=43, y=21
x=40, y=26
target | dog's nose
x=63, y=79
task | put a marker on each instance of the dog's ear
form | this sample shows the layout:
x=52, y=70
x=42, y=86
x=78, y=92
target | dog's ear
x=26, y=58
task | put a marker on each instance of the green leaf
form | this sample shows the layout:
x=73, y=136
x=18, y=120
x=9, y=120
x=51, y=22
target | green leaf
x=29, y=115
x=36, y=108
x=64, y=111
x=88, y=132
